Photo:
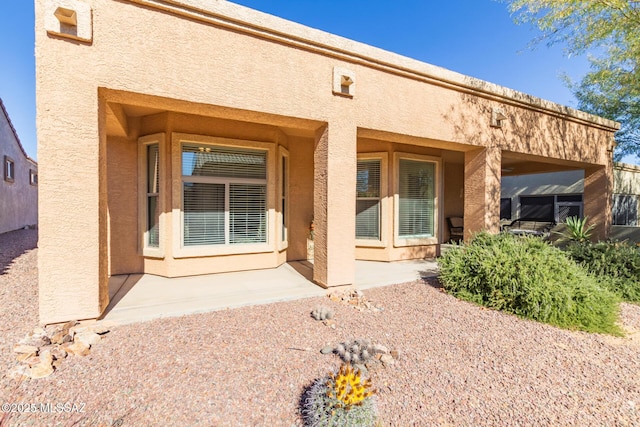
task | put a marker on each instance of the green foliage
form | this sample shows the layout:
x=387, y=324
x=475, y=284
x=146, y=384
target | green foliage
x=529, y=278
x=340, y=399
x=610, y=27
x=577, y=229
x=616, y=264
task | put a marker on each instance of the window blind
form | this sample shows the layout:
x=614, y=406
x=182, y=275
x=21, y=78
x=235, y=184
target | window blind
x=153, y=191
x=368, y=199
x=416, y=198
x=247, y=213
x=203, y=210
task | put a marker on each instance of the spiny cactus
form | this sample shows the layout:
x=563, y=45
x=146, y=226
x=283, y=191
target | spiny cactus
x=340, y=399
x=358, y=351
x=322, y=313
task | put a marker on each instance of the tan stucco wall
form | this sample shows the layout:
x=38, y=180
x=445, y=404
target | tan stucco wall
x=158, y=61
x=18, y=199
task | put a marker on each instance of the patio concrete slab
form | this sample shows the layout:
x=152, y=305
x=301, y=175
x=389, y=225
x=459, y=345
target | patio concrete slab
x=141, y=297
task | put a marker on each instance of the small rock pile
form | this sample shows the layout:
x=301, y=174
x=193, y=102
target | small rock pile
x=43, y=350
x=354, y=298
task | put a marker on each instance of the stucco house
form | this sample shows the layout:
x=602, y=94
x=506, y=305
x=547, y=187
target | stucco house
x=189, y=137
x=19, y=183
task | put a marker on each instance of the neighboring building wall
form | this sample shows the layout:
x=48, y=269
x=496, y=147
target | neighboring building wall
x=626, y=194
x=219, y=70
x=626, y=190
x=18, y=180
x=543, y=184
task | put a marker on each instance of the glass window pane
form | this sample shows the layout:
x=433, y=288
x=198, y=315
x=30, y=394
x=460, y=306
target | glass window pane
x=203, y=207
x=417, y=199
x=368, y=178
x=538, y=208
x=153, y=165
x=223, y=162
x=368, y=219
x=153, y=220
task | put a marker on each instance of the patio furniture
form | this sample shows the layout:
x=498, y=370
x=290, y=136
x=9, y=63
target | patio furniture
x=529, y=227
x=456, y=228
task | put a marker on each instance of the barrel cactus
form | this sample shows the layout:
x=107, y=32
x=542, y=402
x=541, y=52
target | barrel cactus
x=340, y=399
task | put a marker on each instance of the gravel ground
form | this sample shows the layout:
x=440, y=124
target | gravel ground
x=459, y=364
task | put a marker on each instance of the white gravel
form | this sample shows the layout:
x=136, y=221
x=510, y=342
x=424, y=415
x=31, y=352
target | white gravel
x=459, y=364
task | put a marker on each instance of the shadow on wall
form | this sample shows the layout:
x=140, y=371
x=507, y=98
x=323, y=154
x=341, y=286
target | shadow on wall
x=15, y=243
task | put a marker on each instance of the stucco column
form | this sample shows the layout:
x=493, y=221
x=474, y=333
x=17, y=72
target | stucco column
x=482, y=175
x=598, y=182
x=334, y=205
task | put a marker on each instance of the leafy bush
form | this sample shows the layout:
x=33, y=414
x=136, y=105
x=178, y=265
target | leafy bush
x=529, y=278
x=617, y=264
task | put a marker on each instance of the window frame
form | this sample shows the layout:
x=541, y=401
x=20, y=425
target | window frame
x=33, y=178
x=627, y=222
x=9, y=169
x=437, y=197
x=182, y=251
x=283, y=198
x=143, y=205
x=383, y=157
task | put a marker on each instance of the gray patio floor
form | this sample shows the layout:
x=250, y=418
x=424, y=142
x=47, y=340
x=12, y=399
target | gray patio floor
x=141, y=297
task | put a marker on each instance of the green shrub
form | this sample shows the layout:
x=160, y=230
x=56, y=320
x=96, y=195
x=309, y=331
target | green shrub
x=529, y=278
x=617, y=264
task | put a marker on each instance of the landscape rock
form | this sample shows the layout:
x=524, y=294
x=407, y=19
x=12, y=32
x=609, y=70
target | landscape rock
x=41, y=370
x=76, y=348
x=32, y=361
x=45, y=356
x=43, y=350
x=327, y=349
x=21, y=357
x=379, y=348
x=386, y=359
x=61, y=337
x=41, y=341
x=25, y=348
x=58, y=352
x=99, y=329
x=87, y=338
x=39, y=331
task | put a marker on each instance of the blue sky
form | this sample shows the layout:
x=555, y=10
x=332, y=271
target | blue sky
x=473, y=37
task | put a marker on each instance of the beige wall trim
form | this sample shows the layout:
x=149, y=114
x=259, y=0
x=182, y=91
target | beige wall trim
x=239, y=18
